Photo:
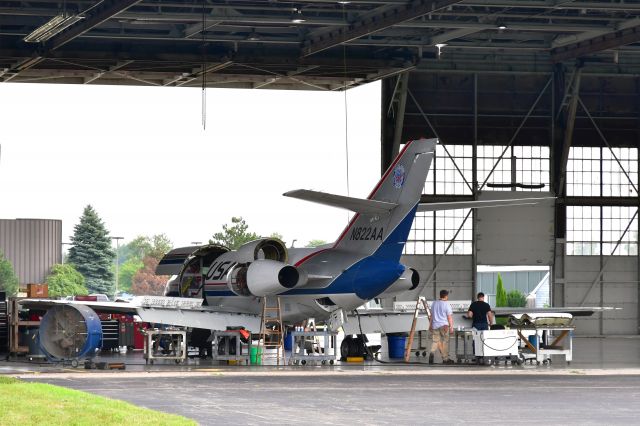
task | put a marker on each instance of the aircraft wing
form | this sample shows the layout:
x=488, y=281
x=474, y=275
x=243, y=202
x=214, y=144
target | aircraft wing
x=577, y=311
x=358, y=205
x=177, y=311
x=108, y=307
x=430, y=207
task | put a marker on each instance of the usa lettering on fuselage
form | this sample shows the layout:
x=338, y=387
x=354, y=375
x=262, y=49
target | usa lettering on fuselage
x=218, y=270
x=368, y=233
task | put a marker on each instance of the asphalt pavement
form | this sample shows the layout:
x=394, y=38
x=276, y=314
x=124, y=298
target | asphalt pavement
x=375, y=398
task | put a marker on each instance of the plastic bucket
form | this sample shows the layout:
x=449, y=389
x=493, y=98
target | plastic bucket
x=288, y=341
x=255, y=355
x=396, y=345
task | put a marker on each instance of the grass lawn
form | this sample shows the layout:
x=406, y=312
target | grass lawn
x=23, y=403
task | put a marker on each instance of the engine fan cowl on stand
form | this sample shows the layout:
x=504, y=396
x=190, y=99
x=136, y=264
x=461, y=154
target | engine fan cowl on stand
x=70, y=332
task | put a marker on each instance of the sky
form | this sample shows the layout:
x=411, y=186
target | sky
x=141, y=158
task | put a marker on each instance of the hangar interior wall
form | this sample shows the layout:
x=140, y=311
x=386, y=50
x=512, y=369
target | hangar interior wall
x=567, y=130
x=617, y=287
x=33, y=246
x=455, y=273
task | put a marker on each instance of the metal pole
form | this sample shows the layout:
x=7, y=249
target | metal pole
x=436, y=134
x=606, y=142
x=594, y=282
x=117, y=262
x=403, y=79
x=430, y=277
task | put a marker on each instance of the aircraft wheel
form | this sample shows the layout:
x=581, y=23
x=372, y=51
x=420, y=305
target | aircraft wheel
x=303, y=362
x=331, y=362
x=324, y=362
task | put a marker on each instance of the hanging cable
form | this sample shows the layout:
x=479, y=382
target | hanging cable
x=204, y=68
x=346, y=111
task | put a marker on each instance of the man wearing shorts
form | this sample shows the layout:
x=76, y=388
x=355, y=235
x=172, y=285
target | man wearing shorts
x=441, y=326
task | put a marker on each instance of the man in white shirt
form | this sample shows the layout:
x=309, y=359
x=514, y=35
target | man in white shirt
x=441, y=326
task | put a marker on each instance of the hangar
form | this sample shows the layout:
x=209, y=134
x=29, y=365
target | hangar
x=524, y=95
x=527, y=97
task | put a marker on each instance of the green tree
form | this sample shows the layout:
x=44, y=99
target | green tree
x=501, y=293
x=515, y=299
x=127, y=270
x=91, y=253
x=8, y=279
x=235, y=235
x=277, y=236
x=316, y=243
x=142, y=246
x=64, y=280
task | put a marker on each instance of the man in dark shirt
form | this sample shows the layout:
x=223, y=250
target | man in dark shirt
x=480, y=313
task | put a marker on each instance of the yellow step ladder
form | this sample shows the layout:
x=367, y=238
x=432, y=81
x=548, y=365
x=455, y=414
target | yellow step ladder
x=421, y=303
x=272, y=331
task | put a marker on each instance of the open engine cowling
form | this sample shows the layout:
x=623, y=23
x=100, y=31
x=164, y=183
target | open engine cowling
x=262, y=277
x=264, y=248
x=409, y=280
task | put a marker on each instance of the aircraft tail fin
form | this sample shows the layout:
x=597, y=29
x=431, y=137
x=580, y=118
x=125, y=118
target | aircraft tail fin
x=384, y=231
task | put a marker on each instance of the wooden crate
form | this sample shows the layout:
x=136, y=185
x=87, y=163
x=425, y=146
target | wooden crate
x=38, y=291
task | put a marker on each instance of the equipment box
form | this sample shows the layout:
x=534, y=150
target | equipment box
x=496, y=343
x=37, y=291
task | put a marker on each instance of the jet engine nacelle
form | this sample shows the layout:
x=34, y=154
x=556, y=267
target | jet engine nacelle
x=409, y=280
x=264, y=248
x=262, y=277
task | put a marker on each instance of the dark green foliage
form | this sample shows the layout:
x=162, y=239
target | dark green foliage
x=235, y=235
x=64, y=280
x=515, y=299
x=8, y=279
x=501, y=293
x=91, y=253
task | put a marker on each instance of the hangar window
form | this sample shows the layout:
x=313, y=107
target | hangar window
x=423, y=240
x=444, y=177
x=583, y=230
x=584, y=226
x=615, y=220
x=614, y=181
x=594, y=171
x=531, y=165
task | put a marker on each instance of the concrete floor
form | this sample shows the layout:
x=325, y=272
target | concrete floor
x=602, y=385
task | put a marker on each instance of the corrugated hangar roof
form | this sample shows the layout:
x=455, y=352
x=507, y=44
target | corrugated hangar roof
x=316, y=45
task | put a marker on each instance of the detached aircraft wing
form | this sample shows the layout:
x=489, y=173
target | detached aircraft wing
x=178, y=311
x=430, y=207
x=577, y=311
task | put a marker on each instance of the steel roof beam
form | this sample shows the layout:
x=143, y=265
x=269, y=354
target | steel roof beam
x=374, y=23
x=101, y=13
x=597, y=44
x=97, y=16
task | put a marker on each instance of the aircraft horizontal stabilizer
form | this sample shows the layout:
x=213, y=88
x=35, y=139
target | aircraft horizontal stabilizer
x=357, y=205
x=430, y=207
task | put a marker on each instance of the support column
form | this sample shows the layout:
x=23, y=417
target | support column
x=474, y=191
x=401, y=96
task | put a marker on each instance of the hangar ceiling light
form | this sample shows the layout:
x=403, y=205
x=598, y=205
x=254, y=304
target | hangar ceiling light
x=54, y=26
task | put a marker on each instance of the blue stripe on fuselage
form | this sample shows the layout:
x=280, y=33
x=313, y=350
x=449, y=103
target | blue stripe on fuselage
x=374, y=274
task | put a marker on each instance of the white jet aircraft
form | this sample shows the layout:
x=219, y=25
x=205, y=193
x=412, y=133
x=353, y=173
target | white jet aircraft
x=362, y=264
